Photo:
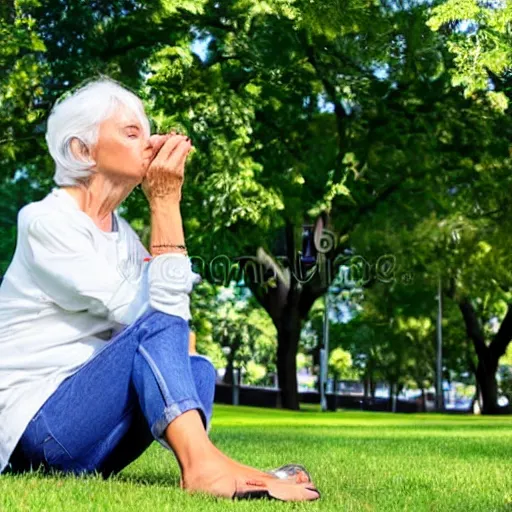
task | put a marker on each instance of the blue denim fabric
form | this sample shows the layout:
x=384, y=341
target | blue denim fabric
x=106, y=414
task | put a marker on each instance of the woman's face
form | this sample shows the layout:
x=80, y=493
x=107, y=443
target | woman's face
x=123, y=150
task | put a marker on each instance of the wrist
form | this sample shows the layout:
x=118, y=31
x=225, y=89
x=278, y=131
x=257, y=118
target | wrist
x=163, y=205
x=158, y=249
x=166, y=228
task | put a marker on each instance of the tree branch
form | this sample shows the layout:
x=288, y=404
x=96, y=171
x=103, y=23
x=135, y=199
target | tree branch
x=369, y=207
x=330, y=89
x=499, y=344
x=473, y=327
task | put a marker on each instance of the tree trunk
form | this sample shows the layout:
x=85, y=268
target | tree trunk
x=488, y=385
x=335, y=385
x=488, y=353
x=288, y=303
x=391, y=391
x=316, y=364
x=228, y=375
x=476, y=403
x=423, y=400
x=288, y=335
x=373, y=387
x=366, y=387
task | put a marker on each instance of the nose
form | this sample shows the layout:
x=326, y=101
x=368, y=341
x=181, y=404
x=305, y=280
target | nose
x=148, y=147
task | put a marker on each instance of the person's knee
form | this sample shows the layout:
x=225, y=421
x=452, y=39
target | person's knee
x=203, y=366
x=159, y=324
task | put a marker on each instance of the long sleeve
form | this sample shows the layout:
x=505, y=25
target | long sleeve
x=68, y=268
x=170, y=281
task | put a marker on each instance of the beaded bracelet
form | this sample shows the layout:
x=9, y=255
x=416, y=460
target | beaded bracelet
x=171, y=245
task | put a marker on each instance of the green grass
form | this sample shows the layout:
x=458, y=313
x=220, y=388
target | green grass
x=359, y=461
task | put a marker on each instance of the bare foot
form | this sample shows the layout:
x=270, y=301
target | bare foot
x=301, y=477
x=224, y=478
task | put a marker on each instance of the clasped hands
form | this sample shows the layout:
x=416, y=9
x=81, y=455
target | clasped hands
x=166, y=170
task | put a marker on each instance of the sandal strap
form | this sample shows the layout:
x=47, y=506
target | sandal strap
x=288, y=471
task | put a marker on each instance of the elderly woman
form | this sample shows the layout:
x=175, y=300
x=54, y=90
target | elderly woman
x=94, y=336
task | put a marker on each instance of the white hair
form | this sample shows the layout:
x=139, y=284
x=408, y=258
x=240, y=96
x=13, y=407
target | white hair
x=78, y=116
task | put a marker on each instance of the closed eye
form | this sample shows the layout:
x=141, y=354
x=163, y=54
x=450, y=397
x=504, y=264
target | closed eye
x=132, y=131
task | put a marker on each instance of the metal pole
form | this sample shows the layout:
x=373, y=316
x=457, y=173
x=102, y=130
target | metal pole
x=439, y=362
x=324, y=354
x=236, y=386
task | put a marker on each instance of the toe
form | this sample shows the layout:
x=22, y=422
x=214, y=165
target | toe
x=302, y=477
x=294, y=492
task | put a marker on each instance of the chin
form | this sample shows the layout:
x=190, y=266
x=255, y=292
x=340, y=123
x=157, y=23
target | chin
x=135, y=176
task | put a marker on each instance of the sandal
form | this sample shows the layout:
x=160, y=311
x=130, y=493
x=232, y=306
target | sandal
x=289, y=471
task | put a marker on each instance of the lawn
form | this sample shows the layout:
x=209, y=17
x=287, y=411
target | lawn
x=359, y=461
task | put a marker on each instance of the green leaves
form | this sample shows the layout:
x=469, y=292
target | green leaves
x=340, y=364
x=297, y=108
x=22, y=75
x=333, y=191
x=224, y=317
x=173, y=7
x=479, y=41
x=454, y=10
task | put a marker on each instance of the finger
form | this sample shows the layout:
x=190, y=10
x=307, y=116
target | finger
x=180, y=152
x=178, y=156
x=191, y=147
x=182, y=160
x=158, y=137
x=157, y=141
x=168, y=147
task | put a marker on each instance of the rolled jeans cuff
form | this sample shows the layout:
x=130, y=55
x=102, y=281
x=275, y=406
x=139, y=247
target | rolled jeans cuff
x=171, y=412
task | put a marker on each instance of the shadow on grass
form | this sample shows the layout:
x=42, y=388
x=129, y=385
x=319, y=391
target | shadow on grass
x=158, y=479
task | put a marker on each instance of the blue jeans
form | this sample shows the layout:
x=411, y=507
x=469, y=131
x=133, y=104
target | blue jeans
x=106, y=414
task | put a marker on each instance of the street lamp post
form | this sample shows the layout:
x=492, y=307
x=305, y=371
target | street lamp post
x=324, y=354
x=324, y=348
x=439, y=358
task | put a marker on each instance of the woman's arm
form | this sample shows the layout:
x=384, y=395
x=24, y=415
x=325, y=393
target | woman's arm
x=170, y=277
x=166, y=227
x=162, y=186
x=65, y=264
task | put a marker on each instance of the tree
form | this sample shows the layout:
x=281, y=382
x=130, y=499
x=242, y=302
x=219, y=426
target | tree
x=340, y=366
x=353, y=125
x=479, y=39
x=246, y=104
x=22, y=75
x=228, y=320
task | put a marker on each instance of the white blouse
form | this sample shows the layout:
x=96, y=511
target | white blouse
x=68, y=289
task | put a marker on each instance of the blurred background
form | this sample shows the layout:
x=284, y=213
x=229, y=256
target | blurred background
x=348, y=202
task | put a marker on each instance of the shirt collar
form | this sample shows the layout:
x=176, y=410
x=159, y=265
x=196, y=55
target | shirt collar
x=70, y=201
